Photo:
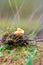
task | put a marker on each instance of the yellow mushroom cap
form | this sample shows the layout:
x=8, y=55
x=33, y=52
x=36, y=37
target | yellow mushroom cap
x=19, y=32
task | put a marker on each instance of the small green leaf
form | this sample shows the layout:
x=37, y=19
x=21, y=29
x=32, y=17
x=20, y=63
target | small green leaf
x=29, y=62
x=7, y=47
x=12, y=52
x=1, y=54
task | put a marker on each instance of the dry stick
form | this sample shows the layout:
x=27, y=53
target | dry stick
x=17, y=10
x=18, y=15
x=40, y=19
x=11, y=6
x=20, y=8
x=39, y=25
x=33, y=13
x=34, y=44
x=16, y=7
x=39, y=22
x=33, y=16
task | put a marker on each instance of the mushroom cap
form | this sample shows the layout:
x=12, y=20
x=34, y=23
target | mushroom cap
x=19, y=32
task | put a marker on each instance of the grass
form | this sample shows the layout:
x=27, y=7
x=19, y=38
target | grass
x=29, y=28
x=18, y=54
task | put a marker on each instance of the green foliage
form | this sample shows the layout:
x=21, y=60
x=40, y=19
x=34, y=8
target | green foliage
x=1, y=54
x=11, y=53
x=29, y=61
x=7, y=47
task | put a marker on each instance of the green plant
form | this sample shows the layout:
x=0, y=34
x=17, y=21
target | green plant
x=29, y=61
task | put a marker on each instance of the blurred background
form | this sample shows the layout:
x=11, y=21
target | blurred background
x=26, y=14
x=8, y=8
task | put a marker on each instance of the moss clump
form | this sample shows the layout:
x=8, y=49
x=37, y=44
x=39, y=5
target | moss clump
x=12, y=39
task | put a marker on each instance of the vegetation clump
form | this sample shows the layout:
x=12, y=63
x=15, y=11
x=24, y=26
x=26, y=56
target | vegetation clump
x=14, y=38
